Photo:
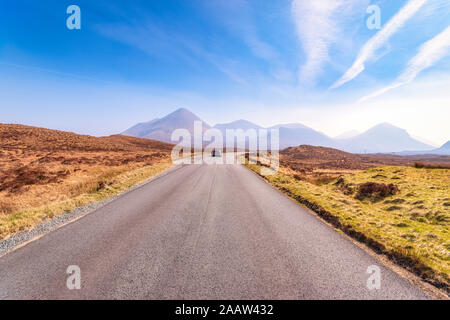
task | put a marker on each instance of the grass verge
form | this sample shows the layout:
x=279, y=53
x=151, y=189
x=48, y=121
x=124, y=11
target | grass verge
x=410, y=227
x=72, y=194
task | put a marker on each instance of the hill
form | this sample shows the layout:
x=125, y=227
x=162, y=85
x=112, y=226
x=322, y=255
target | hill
x=309, y=158
x=27, y=138
x=161, y=129
x=45, y=172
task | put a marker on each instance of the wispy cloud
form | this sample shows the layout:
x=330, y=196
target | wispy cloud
x=318, y=25
x=376, y=42
x=238, y=17
x=170, y=45
x=429, y=54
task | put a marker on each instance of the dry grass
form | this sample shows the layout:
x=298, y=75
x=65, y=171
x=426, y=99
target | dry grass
x=44, y=172
x=64, y=197
x=319, y=164
x=410, y=224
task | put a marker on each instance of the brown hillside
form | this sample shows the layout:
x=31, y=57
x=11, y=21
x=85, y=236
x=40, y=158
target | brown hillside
x=20, y=137
x=310, y=158
x=321, y=165
x=37, y=156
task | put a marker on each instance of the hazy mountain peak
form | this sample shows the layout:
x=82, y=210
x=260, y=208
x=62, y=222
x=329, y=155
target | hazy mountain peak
x=385, y=126
x=237, y=124
x=384, y=138
x=161, y=129
x=293, y=125
x=181, y=113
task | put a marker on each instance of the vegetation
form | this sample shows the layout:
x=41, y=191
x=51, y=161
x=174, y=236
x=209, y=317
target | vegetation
x=421, y=165
x=403, y=212
x=375, y=191
x=44, y=173
x=44, y=202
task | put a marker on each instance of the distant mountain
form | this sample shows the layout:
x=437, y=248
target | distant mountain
x=443, y=150
x=290, y=126
x=161, y=129
x=140, y=129
x=383, y=138
x=295, y=134
x=238, y=124
x=347, y=135
x=291, y=134
x=290, y=137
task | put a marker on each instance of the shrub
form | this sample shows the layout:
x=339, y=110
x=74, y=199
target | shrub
x=420, y=165
x=343, y=186
x=375, y=190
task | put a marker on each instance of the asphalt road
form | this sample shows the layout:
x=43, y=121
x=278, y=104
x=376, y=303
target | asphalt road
x=199, y=232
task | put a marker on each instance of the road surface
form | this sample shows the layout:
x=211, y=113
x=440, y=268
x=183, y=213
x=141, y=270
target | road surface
x=199, y=232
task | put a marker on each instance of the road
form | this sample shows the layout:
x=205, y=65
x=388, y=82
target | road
x=199, y=232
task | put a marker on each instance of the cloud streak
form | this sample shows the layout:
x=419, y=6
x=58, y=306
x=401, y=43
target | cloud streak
x=429, y=54
x=376, y=42
x=238, y=17
x=316, y=30
x=319, y=25
x=171, y=45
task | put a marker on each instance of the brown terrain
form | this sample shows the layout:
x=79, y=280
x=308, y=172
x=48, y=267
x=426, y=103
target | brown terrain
x=40, y=166
x=399, y=206
x=319, y=164
x=30, y=155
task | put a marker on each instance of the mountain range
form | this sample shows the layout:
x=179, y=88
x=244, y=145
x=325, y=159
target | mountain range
x=382, y=138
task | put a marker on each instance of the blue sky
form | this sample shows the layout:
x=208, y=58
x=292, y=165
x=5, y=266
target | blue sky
x=314, y=62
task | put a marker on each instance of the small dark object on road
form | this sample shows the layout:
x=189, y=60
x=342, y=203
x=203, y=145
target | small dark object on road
x=216, y=153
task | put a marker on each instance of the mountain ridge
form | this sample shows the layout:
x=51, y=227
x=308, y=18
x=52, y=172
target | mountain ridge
x=161, y=129
x=381, y=138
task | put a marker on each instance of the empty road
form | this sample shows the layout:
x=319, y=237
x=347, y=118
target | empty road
x=199, y=232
